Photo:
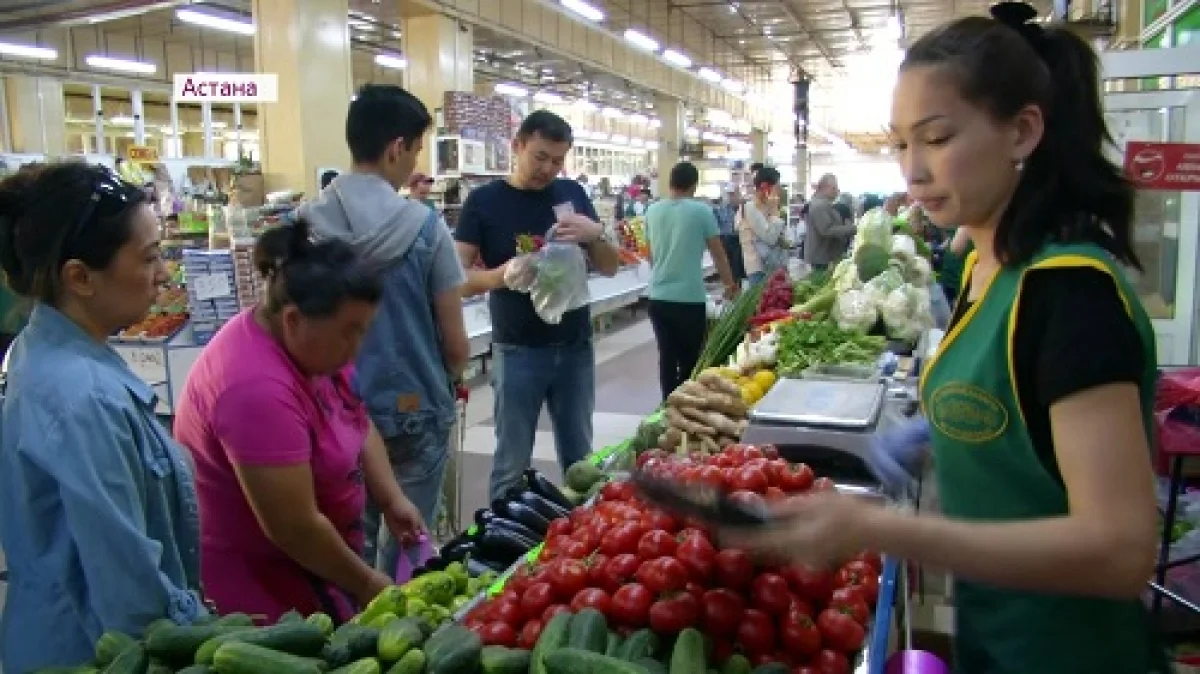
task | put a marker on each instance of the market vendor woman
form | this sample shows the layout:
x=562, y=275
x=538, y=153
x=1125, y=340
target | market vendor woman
x=285, y=452
x=1038, y=401
x=98, y=515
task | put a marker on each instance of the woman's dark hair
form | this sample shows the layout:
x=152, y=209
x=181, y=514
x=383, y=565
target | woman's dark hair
x=1068, y=192
x=52, y=213
x=315, y=276
x=766, y=176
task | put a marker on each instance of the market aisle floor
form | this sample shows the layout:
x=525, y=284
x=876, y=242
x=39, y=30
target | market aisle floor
x=626, y=391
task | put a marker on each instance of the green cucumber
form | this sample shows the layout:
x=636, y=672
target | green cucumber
x=196, y=669
x=296, y=638
x=133, y=660
x=651, y=666
x=235, y=620
x=643, y=643
x=321, y=620
x=736, y=664
x=351, y=642
x=580, y=661
x=554, y=636
x=237, y=657
x=177, y=644
x=363, y=666
x=503, y=660
x=688, y=655
x=772, y=668
x=413, y=662
x=613, y=645
x=397, y=637
x=157, y=624
x=589, y=631
x=457, y=651
x=111, y=644
x=292, y=616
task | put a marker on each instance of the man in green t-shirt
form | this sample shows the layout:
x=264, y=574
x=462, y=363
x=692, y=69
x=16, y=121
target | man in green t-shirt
x=679, y=229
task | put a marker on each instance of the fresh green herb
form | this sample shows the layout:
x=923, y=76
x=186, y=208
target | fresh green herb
x=723, y=339
x=803, y=344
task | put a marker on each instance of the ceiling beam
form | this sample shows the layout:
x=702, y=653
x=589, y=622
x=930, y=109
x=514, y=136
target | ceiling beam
x=790, y=57
x=790, y=7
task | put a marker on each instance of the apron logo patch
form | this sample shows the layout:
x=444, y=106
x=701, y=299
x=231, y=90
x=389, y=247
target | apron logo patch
x=967, y=413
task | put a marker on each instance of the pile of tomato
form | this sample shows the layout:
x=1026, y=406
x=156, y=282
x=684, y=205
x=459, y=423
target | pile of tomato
x=642, y=567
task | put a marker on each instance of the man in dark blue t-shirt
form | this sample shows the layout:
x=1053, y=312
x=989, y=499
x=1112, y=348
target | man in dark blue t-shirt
x=534, y=362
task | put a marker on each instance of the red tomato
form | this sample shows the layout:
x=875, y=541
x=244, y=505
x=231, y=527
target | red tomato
x=823, y=484
x=796, y=478
x=473, y=623
x=734, y=568
x=775, y=468
x=722, y=611
x=559, y=527
x=592, y=598
x=617, y=491
x=597, y=565
x=756, y=634
x=800, y=605
x=692, y=532
x=568, y=577
x=552, y=611
x=770, y=451
x=509, y=594
x=804, y=669
x=800, y=636
x=536, y=599
x=748, y=499
x=722, y=649
x=581, y=516
x=871, y=558
x=631, y=605
x=671, y=616
x=750, y=478
x=655, y=544
x=618, y=571
x=699, y=556
x=498, y=634
x=508, y=611
x=831, y=662
x=840, y=631
x=622, y=538
x=576, y=550
x=812, y=584
x=770, y=592
x=745, y=453
x=859, y=574
x=657, y=519
x=650, y=454
x=665, y=574
x=529, y=634
x=712, y=476
x=849, y=600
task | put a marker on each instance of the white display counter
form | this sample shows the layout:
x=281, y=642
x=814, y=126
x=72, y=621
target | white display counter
x=165, y=366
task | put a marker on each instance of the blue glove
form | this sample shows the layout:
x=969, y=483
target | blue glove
x=897, y=456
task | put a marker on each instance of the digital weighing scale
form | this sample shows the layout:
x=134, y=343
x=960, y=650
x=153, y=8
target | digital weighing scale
x=828, y=422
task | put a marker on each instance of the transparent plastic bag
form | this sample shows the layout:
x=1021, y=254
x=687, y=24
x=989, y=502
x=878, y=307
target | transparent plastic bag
x=560, y=282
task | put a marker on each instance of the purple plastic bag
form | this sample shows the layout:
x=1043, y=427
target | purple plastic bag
x=412, y=557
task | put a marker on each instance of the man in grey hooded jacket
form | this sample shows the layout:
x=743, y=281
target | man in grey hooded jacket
x=416, y=348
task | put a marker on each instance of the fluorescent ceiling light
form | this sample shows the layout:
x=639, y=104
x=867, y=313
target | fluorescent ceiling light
x=676, y=58
x=620, y=140
x=122, y=120
x=585, y=104
x=391, y=61
x=219, y=125
x=215, y=22
x=583, y=9
x=638, y=118
x=640, y=40
x=599, y=135
x=505, y=89
x=710, y=75
x=655, y=123
x=732, y=86
x=692, y=131
x=28, y=52
x=637, y=142
x=612, y=112
x=547, y=97
x=123, y=65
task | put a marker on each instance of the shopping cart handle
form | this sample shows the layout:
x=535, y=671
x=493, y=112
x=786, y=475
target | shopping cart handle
x=462, y=393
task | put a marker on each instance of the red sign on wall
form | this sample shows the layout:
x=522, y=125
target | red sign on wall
x=1163, y=166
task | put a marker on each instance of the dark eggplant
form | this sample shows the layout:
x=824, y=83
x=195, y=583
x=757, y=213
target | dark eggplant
x=516, y=528
x=478, y=567
x=458, y=549
x=545, y=508
x=502, y=546
x=483, y=515
x=522, y=514
x=542, y=486
x=436, y=564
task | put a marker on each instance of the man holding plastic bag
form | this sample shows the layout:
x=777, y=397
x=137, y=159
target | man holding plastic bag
x=536, y=236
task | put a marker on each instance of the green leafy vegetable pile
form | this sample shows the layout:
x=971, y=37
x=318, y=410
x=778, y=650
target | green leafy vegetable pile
x=803, y=344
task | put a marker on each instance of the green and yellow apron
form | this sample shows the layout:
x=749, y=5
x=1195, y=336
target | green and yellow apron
x=987, y=470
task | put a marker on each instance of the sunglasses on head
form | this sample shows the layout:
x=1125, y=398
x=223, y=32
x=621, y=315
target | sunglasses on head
x=110, y=195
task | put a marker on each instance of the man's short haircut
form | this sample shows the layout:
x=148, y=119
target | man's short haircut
x=766, y=176
x=684, y=176
x=548, y=125
x=379, y=115
x=825, y=180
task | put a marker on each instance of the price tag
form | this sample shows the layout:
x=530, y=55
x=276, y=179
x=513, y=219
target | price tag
x=149, y=364
x=211, y=286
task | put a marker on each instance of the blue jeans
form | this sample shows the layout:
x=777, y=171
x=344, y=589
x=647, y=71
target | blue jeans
x=419, y=462
x=523, y=378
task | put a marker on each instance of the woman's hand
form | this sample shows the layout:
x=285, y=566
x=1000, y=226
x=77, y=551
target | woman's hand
x=819, y=529
x=403, y=520
x=897, y=457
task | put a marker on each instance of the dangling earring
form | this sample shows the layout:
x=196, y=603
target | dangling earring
x=1020, y=165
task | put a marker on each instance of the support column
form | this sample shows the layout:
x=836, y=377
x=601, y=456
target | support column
x=440, y=59
x=139, y=118
x=37, y=115
x=98, y=117
x=758, y=146
x=670, y=138
x=307, y=44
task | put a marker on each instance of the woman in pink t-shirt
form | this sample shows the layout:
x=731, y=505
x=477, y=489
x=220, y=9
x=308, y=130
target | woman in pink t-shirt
x=285, y=452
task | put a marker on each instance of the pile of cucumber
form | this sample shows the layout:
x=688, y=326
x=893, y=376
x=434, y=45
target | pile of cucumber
x=582, y=643
x=298, y=645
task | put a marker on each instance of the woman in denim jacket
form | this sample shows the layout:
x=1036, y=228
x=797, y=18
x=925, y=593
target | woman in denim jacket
x=98, y=513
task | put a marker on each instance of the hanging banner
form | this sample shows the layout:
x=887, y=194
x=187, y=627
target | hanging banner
x=143, y=154
x=1172, y=167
